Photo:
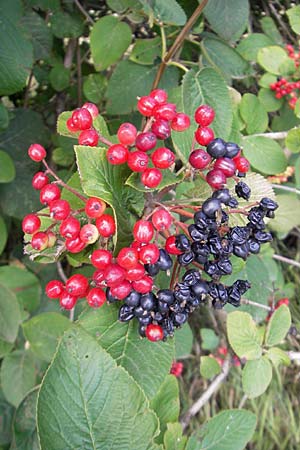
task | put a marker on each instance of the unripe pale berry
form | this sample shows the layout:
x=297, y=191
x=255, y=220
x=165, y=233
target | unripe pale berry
x=89, y=233
x=39, y=241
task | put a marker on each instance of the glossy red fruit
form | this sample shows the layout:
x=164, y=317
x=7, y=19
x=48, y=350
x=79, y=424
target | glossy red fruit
x=98, y=277
x=92, y=109
x=59, y=209
x=145, y=105
x=216, y=179
x=114, y=274
x=39, y=241
x=181, y=122
x=101, y=258
x=149, y=254
x=39, y=180
x=36, y=152
x=227, y=166
x=282, y=301
x=128, y=258
x=163, y=158
x=166, y=111
x=159, y=95
x=161, y=129
x=162, y=219
x=199, y=159
x=121, y=290
x=67, y=301
x=136, y=273
x=89, y=233
x=96, y=298
x=242, y=164
x=143, y=231
x=82, y=119
x=127, y=133
x=154, y=332
x=204, y=135
x=143, y=285
x=137, y=161
x=89, y=138
x=176, y=369
x=204, y=115
x=49, y=193
x=170, y=246
x=117, y=154
x=145, y=141
x=106, y=225
x=94, y=207
x=54, y=289
x=70, y=228
x=75, y=245
x=31, y=224
x=151, y=178
x=71, y=126
x=77, y=285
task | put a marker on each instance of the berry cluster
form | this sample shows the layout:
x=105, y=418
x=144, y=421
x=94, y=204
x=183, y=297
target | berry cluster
x=284, y=88
x=291, y=54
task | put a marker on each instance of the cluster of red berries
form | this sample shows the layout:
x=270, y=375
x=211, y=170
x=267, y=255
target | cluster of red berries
x=82, y=121
x=284, y=88
x=282, y=301
x=176, y=369
x=291, y=54
x=222, y=354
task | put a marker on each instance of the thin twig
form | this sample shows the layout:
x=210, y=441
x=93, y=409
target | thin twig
x=212, y=389
x=286, y=260
x=245, y=301
x=83, y=11
x=243, y=401
x=61, y=272
x=286, y=188
x=276, y=135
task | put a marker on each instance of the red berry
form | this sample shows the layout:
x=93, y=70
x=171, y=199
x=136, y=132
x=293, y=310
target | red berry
x=106, y=225
x=89, y=233
x=89, y=138
x=98, y=277
x=54, y=289
x=31, y=224
x=67, y=301
x=204, y=135
x=149, y=254
x=154, y=332
x=204, y=115
x=170, y=246
x=143, y=231
x=161, y=219
x=36, y=152
x=121, y=290
x=226, y=165
x=176, y=369
x=242, y=164
x=94, y=207
x=143, y=285
x=117, y=154
x=101, y=258
x=96, y=297
x=222, y=351
x=145, y=105
x=161, y=129
x=39, y=241
x=82, y=119
x=166, y=111
x=282, y=301
x=151, y=178
x=137, y=161
x=39, y=180
x=74, y=245
x=163, y=158
x=127, y=133
x=59, y=209
x=71, y=126
x=77, y=285
x=159, y=95
x=92, y=109
x=181, y=122
x=136, y=273
x=199, y=159
x=145, y=141
x=70, y=228
x=128, y=258
x=49, y=193
x=216, y=179
x=114, y=274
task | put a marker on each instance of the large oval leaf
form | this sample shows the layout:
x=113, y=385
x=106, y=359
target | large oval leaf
x=24, y=426
x=278, y=326
x=243, y=335
x=264, y=154
x=10, y=315
x=257, y=376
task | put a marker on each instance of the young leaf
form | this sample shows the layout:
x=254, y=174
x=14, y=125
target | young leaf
x=270, y=58
x=10, y=315
x=173, y=439
x=268, y=100
x=294, y=18
x=264, y=154
x=256, y=376
x=145, y=51
x=278, y=326
x=209, y=367
x=243, y=336
x=250, y=45
x=254, y=114
x=278, y=356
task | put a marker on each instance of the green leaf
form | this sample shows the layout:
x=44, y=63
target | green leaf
x=183, y=342
x=223, y=57
x=10, y=315
x=122, y=5
x=168, y=12
x=24, y=284
x=169, y=179
x=219, y=14
x=7, y=168
x=16, y=57
x=103, y=180
x=94, y=86
x=294, y=18
x=64, y=25
x=13, y=10
x=173, y=439
x=122, y=341
x=39, y=34
x=278, y=356
x=98, y=395
x=266, y=80
x=268, y=100
x=270, y=58
x=109, y=39
x=59, y=77
x=145, y=51
x=292, y=141
x=129, y=78
x=288, y=214
x=3, y=234
x=63, y=156
x=250, y=45
x=229, y=430
x=270, y=29
x=264, y=154
x=256, y=377
x=254, y=114
x=17, y=375
x=24, y=427
x=43, y=332
x=4, y=117
x=243, y=335
x=166, y=404
x=278, y=326
x=210, y=340
x=5, y=348
x=209, y=367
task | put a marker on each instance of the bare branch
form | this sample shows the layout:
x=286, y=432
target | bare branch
x=286, y=260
